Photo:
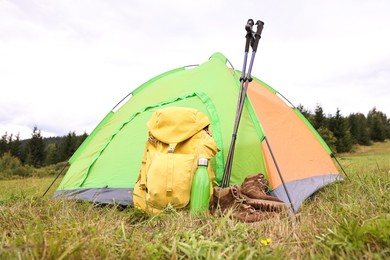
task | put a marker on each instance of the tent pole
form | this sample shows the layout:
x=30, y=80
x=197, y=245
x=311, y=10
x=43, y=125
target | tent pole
x=58, y=175
x=245, y=79
x=120, y=101
x=280, y=174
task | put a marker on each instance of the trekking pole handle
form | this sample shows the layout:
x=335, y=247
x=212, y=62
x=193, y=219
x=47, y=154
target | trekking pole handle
x=249, y=25
x=249, y=34
x=260, y=26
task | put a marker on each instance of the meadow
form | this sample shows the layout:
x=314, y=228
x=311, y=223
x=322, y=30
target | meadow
x=345, y=220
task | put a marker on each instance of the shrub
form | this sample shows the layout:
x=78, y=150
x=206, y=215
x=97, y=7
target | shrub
x=11, y=167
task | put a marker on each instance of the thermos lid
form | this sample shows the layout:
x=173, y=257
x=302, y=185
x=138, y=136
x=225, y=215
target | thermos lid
x=203, y=161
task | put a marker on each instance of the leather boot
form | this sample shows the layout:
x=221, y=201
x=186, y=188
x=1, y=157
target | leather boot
x=254, y=189
x=267, y=205
x=230, y=198
x=246, y=212
x=223, y=200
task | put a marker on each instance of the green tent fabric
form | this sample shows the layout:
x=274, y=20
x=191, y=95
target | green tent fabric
x=105, y=167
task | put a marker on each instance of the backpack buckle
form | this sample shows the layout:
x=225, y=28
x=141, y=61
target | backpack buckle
x=152, y=139
x=171, y=148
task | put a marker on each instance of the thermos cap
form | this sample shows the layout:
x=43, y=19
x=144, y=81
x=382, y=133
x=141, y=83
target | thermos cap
x=203, y=161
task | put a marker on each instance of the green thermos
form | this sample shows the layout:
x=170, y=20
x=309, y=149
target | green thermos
x=200, y=191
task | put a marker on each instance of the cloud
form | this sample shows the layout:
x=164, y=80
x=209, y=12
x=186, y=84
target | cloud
x=65, y=64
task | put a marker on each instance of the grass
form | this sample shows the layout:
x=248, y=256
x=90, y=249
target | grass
x=345, y=220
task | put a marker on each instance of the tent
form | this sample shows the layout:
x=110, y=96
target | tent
x=274, y=138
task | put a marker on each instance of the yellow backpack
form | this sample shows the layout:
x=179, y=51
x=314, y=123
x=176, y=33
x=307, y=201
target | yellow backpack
x=177, y=138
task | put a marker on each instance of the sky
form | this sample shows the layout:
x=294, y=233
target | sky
x=65, y=64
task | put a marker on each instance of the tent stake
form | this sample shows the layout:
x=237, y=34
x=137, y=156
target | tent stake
x=341, y=167
x=280, y=174
x=58, y=175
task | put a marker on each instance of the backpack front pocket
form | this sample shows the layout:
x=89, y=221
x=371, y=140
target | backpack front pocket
x=168, y=179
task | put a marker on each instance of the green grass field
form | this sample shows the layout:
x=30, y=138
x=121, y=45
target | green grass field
x=345, y=220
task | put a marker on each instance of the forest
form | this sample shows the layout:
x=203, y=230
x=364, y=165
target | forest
x=19, y=158
x=341, y=133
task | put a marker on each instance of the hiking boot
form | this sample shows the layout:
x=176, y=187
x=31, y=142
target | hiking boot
x=231, y=199
x=223, y=199
x=249, y=214
x=274, y=205
x=246, y=212
x=254, y=190
x=256, y=187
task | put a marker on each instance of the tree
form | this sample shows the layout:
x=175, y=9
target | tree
x=82, y=138
x=3, y=144
x=306, y=113
x=328, y=137
x=35, y=149
x=377, y=122
x=15, y=146
x=339, y=126
x=319, y=117
x=359, y=129
x=52, y=154
x=388, y=128
x=68, y=146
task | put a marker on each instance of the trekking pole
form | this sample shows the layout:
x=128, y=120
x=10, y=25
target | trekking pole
x=248, y=42
x=245, y=78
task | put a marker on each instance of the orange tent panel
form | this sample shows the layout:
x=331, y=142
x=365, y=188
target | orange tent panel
x=297, y=151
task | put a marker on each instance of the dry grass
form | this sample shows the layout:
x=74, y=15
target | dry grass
x=349, y=219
